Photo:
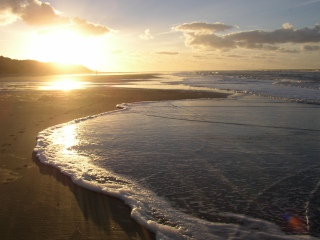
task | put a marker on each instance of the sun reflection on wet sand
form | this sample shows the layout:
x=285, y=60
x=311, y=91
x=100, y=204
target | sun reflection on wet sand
x=64, y=85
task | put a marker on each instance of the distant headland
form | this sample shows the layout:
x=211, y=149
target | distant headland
x=10, y=66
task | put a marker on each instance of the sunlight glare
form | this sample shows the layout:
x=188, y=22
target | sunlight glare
x=66, y=46
x=68, y=138
x=64, y=85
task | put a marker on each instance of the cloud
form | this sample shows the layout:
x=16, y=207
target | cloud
x=7, y=18
x=37, y=13
x=310, y=47
x=235, y=56
x=260, y=57
x=208, y=41
x=199, y=57
x=279, y=36
x=284, y=50
x=202, y=27
x=167, y=53
x=33, y=12
x=287, y=26
x=146, y=35
x=85, y=27
x=207, y=36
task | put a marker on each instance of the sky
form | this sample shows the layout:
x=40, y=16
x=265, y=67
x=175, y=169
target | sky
x=164, y=35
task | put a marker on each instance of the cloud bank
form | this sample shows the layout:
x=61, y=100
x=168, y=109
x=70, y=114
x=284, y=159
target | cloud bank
x=210, y=36
x=37, y=13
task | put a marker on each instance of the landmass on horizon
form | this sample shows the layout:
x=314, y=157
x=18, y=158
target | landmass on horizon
x=13, y=66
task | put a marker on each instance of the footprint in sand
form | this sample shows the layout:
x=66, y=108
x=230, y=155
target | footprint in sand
x=13, y=137
x=6, y=144
x=7, y=176
x=24, y=166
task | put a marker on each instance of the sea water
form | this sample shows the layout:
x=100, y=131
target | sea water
x=245, y=167
x=300, y=86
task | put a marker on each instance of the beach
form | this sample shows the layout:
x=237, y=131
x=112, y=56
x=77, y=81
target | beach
x=37, y=201
x=200, y=123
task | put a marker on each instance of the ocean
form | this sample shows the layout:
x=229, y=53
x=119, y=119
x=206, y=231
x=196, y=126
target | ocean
x=242, y=167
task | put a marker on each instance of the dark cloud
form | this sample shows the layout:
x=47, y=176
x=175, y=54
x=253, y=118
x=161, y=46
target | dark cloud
x=33, y=12
x=208, y=40
x=204, y=35
x=38, y=13
x=253, y=45
x=284, y=35
x=167, y=53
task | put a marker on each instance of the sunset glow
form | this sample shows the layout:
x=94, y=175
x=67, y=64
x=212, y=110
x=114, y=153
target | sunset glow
x=115, y=36
x=65, y=46
x=63, y=85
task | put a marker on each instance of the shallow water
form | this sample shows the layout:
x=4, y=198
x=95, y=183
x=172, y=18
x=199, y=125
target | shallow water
x=292, y=85
x=243, y=167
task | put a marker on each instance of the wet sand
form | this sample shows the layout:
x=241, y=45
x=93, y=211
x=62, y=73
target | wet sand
x=37, y=201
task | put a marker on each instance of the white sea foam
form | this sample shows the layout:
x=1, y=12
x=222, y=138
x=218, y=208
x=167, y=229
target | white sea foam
x=183, y=165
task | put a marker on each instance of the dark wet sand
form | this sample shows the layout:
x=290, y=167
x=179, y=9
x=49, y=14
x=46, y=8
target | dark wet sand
x=38, y=202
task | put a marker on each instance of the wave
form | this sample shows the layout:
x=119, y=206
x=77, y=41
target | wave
x=106, y=153
x=294, y=86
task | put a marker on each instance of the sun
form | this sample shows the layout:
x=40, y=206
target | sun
x=66, y=46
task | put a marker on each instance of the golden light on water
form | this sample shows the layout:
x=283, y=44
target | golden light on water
x=64, y=85
x=67, y=137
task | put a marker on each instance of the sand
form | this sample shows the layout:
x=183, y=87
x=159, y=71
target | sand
x=38, y=202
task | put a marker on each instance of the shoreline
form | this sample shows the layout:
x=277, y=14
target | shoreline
x=39, y=202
